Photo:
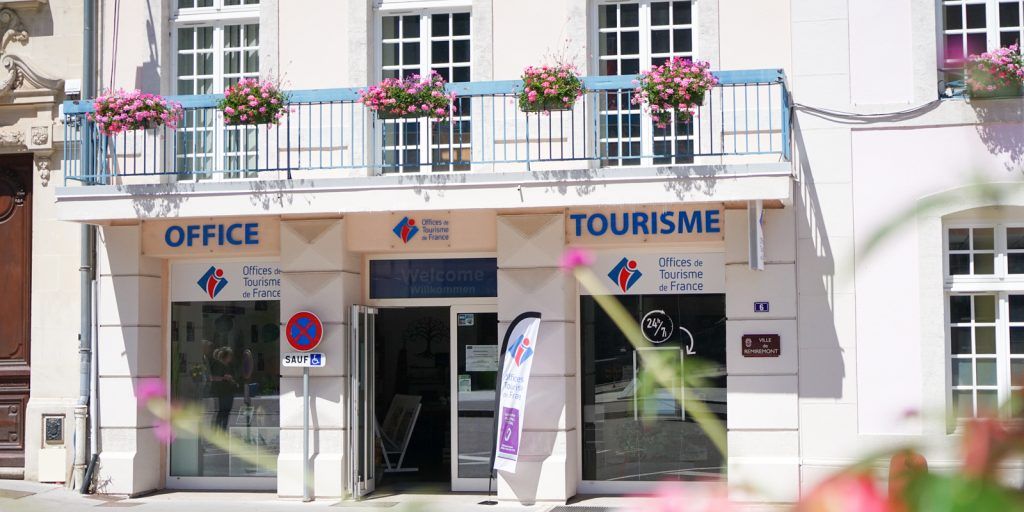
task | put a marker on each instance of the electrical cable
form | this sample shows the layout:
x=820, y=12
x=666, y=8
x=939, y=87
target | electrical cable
x=117, y=30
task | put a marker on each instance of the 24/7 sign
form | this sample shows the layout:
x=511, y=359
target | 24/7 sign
x=304, y=331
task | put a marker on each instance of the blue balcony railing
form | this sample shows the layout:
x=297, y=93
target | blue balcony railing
x=747, y=115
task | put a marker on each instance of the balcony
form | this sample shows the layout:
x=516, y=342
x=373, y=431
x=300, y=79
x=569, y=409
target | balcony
x=330, y=140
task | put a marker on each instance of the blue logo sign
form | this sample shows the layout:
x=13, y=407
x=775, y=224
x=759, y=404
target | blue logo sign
x=316, y=359
x=521, y=350
x=213, y=281
x=213, y=234
x=625, y=274
x=406, y=229
x=670, y=222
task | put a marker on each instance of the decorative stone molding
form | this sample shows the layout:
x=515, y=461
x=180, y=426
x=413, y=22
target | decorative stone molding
x=12, y=137
x=40, y=136
x=11, y=27
x=43, y=168
x=16, y=73
x=23, y=4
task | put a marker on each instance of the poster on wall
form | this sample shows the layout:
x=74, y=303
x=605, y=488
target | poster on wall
x=521, y=343
x=214, y=281
x=660, y=273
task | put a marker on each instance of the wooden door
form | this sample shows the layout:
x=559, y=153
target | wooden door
x=15, y=287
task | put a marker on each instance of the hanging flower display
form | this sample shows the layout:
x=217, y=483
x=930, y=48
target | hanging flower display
x=252, y=101
x=999, y=72
x=678, y=86
x=121, y=111
x=409, y=97
x=550, y=88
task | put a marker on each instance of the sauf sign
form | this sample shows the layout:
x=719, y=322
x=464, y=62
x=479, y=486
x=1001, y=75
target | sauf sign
x=697, y=223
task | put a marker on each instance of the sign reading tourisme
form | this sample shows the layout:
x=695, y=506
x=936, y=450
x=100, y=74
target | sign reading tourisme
x=520, y=347
x=247, y=236
x=645, y=224
x=219, y=281
x=660, y=273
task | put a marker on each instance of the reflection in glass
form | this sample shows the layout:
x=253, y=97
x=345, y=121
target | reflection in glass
x=477, y=378
x=225, y=359
x=632, y=436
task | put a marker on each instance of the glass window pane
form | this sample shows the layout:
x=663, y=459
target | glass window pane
x=606, y=16
x=609, y=44
x=232, y=36
x=389, y=27
x=959, y=308
x=185, y=66
x=1017, y=308
x=1009, y=38
x=185, y=87
x=630, y=66
x=389, y=54
x=439, y=52
x=252, y=35
x=984, y=308
x=960, y=340
x=976, y=43
x=1017, y=372
x=185, y=36
x=1015, y=263
x=1015, y=238
x=660, y=41
x=984, y=340
x=460, y=51
x=659, y=13
x=205, y=61
x=988, y=402
x=205, y=37
x=1009, y=14
x=681, y=13
x=411, y=27
x=962, y=372
x=461, y=74
x=683, y=40
x=231, y=63
x=630, y=15
x=1017, y=340
x=953, y=17
x=410, y=53
x=986, y=369
x=630, y=43
x=954, y=48
x=959, y=264
x=984, y=239
x=460, y=24
x=963, y=403
x=959, y=239
x=976, y=16
x=439, y=25
x=984, y=264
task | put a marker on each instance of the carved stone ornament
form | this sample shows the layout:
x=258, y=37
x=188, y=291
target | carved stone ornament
x=40, y=135
x=15, y=73
x=43, y=167
x=12, y=137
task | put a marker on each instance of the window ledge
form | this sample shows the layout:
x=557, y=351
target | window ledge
x=18, y=4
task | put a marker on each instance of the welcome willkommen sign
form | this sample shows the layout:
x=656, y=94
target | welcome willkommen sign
x=521, y=343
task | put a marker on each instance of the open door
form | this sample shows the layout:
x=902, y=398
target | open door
x=362, y=417
x=474, y=362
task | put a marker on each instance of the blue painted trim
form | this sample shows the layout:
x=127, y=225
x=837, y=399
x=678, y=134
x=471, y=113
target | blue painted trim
x=591, y=83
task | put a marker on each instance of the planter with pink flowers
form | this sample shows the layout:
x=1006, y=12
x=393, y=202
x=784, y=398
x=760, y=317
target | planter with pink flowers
x=253, y=102
x=550, y=88
x=121, y=111
x=409, y=97
x=676, y=87
x=996, y=74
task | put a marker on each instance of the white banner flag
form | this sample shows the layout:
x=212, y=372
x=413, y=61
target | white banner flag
x=521, y=343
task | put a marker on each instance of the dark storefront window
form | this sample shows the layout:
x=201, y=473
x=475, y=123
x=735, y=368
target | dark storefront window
x=225, y=360
x=629, y=435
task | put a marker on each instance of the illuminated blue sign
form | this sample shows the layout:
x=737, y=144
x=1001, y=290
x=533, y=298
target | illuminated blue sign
x=433, y=278
x=206, y=235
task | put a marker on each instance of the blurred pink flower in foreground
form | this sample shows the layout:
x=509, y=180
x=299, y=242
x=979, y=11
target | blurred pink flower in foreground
x=574, y=257
x=149, y=389
x=847, y=492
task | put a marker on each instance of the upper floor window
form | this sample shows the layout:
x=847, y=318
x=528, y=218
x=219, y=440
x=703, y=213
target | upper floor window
x=985, y=311
x=632, y=37
x=214, y=4
x=971, y=27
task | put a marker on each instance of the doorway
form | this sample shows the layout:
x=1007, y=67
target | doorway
x=427, y=376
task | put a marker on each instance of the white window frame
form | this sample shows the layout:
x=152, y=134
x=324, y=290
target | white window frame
x=646, y=57
x=425, y=9
x=991, y=30
x=217, y=17
x=1001, y=285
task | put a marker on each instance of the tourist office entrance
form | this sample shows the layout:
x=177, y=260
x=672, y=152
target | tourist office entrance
x=414, y=308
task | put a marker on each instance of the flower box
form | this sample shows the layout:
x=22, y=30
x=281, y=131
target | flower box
x=676, y=87
x=410, y=97
x=253, y=102
x=550, y=88
x=121, y=111
x=995, y=74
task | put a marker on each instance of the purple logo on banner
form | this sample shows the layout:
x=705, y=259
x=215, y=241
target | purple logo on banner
x=509, y=431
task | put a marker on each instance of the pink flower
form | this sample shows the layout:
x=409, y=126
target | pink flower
x=846, y=492
x=148, y=389
x=164, y=431
x=574, y=257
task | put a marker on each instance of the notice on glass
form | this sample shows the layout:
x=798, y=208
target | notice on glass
x=481, y=358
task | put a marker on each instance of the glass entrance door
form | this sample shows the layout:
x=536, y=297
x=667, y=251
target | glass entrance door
x=361, y=402
x=474, y=363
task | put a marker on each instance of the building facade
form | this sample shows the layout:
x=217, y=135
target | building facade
x=40, y=44
x=746, y=239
